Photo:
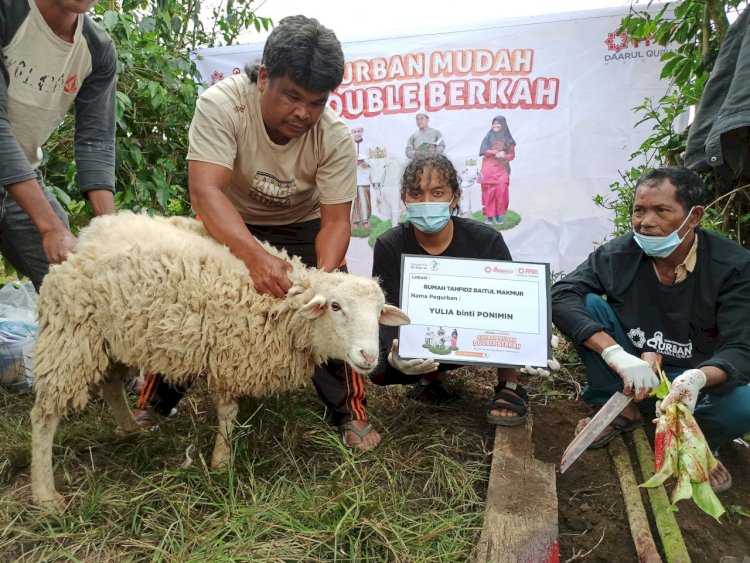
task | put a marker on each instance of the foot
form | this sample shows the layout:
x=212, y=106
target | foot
x=720, y=478
x=505, y=412
x=366, y=224
x=360, y=435
x=488, y=221
x=629, y=416
x=145, y=419
x=499, y=220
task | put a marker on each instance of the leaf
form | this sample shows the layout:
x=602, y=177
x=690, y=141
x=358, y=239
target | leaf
x=110, y=19
x=147, y=24
x=707, y=501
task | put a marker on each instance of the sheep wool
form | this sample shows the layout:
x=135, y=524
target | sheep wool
x=160, y=294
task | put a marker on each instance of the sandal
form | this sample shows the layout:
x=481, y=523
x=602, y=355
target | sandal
x=621, y=424
x=145, y=420
x=726, y=484
x=349, y=427
x=431, y=391
x=517, y=401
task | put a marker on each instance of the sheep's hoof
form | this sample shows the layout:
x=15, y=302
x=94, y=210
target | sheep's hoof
x=219, y=462
x=50, y=503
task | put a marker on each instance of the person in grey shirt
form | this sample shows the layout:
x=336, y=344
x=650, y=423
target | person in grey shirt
x=425, y=140
x=53, y=56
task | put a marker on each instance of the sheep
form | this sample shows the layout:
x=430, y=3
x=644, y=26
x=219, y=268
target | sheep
x=160, y=294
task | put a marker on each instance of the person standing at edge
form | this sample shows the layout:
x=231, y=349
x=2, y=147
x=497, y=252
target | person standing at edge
x=268, y=159
x=53, y=56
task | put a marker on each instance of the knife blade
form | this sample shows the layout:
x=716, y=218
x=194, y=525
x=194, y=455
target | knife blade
x=596, y=425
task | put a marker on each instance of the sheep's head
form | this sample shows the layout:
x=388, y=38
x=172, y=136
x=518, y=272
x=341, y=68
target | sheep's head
x=346, y=311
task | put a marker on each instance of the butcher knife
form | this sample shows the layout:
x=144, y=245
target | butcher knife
x=596, y=425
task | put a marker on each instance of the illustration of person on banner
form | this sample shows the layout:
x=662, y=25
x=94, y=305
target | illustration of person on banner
x=361, y=208
x=430, y=190
x=425, y=140
x=498, y=148
x=672, y=290
x=270, y=160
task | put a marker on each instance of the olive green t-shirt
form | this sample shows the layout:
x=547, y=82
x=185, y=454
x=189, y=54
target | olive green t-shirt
x=272, y=184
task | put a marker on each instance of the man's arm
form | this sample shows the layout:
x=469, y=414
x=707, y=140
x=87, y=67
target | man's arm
x=19, y=179
x=95, y=124
x=207, y=183
x=333, y=239
x=410, y=148
x=440, y=147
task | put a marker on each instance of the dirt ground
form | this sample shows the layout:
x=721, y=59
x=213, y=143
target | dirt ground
x=593, y=524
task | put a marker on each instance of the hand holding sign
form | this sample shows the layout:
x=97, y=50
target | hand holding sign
x=417, y=366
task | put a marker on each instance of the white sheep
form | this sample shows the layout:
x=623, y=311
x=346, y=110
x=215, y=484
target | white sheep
x=160, y=294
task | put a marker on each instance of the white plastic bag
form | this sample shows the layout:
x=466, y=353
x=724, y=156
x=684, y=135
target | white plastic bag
x=18, y=331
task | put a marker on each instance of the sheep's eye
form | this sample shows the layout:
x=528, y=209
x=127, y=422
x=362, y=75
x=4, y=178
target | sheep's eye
x=335, y=306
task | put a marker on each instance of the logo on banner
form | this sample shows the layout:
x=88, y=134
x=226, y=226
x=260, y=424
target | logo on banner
x=622, y=47
x=216, y=76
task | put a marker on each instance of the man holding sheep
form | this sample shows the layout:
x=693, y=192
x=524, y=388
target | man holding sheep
x=269, y=160
x=53, y=56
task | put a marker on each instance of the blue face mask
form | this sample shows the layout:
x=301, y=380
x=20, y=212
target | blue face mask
x=661, y=247
x=429, y=217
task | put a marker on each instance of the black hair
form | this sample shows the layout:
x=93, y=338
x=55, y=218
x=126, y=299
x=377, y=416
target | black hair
x=412, y=178
x=304, y=51
x=690, y=189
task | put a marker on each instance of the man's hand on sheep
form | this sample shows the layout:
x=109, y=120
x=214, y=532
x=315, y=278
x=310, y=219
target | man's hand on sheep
x=270, y=274
x=57, y=244
x=417, y=366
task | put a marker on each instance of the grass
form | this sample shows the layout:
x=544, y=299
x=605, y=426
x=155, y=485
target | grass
x=292, y=493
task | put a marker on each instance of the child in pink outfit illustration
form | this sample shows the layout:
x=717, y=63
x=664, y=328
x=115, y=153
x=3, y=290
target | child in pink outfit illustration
x=498, y=149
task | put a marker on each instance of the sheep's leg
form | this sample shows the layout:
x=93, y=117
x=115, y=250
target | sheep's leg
x=43, y=427
x=227, y=412
x=113, y=391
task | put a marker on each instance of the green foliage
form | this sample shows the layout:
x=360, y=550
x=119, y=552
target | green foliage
x=693, y=36
x=156, y=93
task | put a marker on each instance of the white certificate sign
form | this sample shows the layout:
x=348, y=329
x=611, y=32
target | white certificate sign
x=469, y=311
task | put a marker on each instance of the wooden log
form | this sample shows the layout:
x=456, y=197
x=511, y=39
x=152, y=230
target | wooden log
x=520, y=518
x=645, y=547
x=666, y=523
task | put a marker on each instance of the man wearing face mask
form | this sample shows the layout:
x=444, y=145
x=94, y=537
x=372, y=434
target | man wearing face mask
x=430, y=190
x=675, y=292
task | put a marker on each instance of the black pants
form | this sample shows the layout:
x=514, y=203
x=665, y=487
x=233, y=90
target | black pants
x=340, y=388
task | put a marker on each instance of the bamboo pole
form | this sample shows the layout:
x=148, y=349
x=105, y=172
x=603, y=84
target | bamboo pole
x=666, y=523
x=644, y=542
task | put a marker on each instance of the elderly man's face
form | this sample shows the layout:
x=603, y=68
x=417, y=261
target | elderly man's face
x=656, y=211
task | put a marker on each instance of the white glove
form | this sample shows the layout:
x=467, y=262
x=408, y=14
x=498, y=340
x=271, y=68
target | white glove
x=553, y=364
x=637, y=376
x=685, y=388
x=417, y=366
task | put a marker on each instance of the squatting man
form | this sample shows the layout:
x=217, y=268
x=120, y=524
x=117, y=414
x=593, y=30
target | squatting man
x=675, y=294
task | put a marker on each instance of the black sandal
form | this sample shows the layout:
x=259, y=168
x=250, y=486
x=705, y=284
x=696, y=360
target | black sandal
x=517, y=401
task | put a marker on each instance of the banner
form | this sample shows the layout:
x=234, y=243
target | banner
x=566, y=86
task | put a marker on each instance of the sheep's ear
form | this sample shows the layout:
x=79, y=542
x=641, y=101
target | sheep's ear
x=393, y=316
x=315, y=307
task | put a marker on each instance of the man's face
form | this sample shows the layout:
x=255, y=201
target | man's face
x=422, y=121
x=289, y=110
x=77, y=6
x=357, y=134
x=656, y=211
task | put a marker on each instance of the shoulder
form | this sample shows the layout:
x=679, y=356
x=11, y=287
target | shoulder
x=723, y=251
x=231, y=89
x=100, y=44
x=12, y=15
x=331, y=126
x=478, y=240
x=395, y=236
x=469, y=228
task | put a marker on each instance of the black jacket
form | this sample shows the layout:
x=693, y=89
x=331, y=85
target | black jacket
x=720, y=304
